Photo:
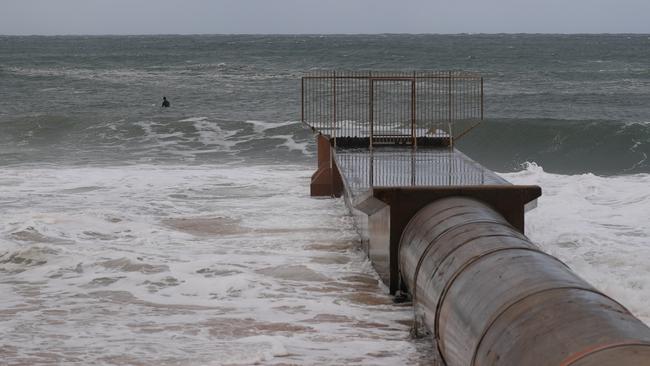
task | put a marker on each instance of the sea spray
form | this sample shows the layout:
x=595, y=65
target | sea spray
x=598, y=226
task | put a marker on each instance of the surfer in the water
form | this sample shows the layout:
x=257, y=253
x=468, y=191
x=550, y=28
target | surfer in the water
x=165, y=103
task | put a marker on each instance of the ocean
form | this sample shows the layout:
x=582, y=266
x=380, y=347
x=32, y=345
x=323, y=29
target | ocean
x=132, y=234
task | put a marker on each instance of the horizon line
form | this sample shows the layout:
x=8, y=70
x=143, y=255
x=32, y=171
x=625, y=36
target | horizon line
x=310, y=34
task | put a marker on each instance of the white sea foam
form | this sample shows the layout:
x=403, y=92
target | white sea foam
x=217, y=265
x=210, y=134
x=174, y=139
x=291, y=144
x=637, y=123
x=261, y=126
x=599, y=226
x=153, y=74
x=112, y=75
x=194, y=119
x=206, y=265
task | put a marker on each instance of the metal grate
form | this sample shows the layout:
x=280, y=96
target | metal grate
x=398, y=167
x=368, y=108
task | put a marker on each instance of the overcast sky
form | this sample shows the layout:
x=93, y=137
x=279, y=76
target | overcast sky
x=322, y=16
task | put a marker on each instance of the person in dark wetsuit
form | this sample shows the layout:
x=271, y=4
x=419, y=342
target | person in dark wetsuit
x=165, y=103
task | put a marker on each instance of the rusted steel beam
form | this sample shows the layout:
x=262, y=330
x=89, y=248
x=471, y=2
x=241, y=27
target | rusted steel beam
x=492, y=297
x=326, y=180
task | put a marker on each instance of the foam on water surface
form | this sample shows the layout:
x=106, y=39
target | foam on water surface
x=207, y=265
x=144, y=264
x=261, y=126
x=232, y=265
x=599, y=226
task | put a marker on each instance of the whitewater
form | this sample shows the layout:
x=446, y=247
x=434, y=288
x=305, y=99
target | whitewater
x=205, y=265
x=235, y=265
x=135, y=235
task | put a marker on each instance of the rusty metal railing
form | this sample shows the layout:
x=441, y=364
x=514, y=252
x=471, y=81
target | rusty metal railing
x=364, y=108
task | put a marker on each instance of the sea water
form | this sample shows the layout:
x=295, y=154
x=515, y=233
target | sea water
x=131, y=234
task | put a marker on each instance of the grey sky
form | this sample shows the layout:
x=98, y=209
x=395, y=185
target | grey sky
x=322, y=16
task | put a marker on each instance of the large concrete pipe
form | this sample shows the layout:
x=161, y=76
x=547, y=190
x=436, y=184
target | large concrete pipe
x=491, y=297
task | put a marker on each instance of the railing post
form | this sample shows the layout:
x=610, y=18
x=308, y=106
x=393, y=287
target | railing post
x=302, y=99
x=414, y=142
x=481, y=98
x=371, y=178
x=371, y=113
x=334, y=107
x=449, y=107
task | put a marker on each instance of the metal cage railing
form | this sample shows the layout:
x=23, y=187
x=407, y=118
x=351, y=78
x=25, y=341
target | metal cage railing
x=371, y=108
